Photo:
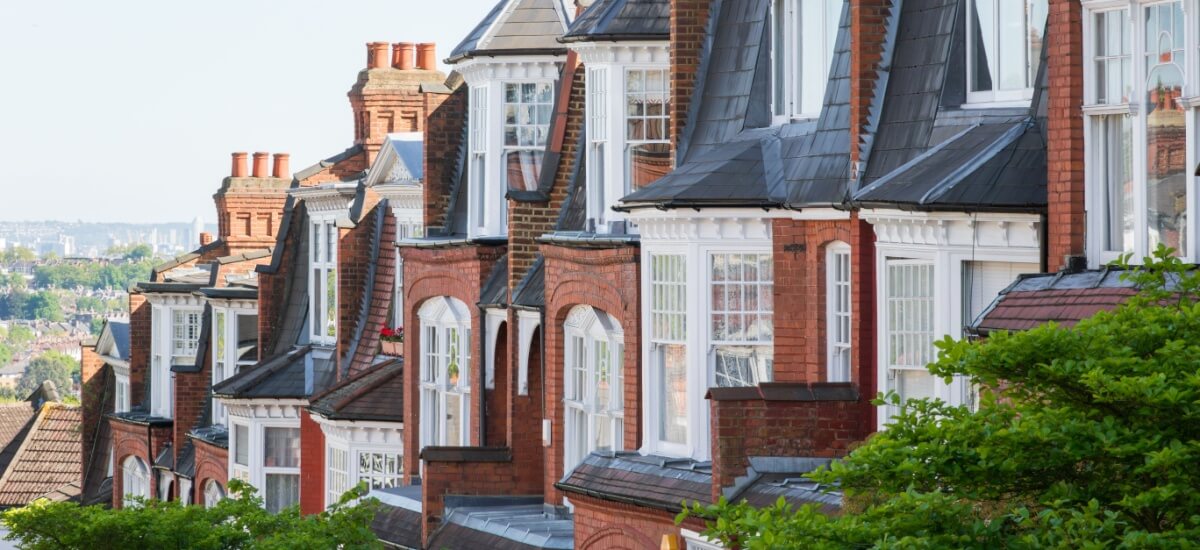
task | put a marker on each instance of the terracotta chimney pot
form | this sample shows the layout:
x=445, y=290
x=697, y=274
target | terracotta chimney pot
x=377, y=55
x=427, y=56
x=260, y=165
x=206, y=238
x=239, y=166
x=280, y=169
x=403, y=55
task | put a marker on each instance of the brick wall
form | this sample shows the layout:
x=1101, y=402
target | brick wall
x=312, y=465
x=212, y=463
x=191, y=389
x=457, y=272
x=867, y=30
x=139, y=440
x=272, y=286
x=785, y=420
x=606, y=279
x=140, y=321
x=524, y=412
x=1064, y=150
x=92, y=400
x=388, y=100
x=249, y=210
x=489, y=471
x=381, y=298
x=443, y=137
x=353, y=263
x=496, y=399
x=799, y=250
x=689, y=24
x=601, y=524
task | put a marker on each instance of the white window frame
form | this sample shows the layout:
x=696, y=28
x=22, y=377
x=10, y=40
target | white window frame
x=238, y=470
x=839, y=296
x=358, y=440
x=227, y=364
x=369, y=476
x=213, y=493
x=888, y=372
x=185, y=333
x=696, y=337
x=135, y=479
x=445, y=316
x=323, y=237
x=1136, y=110
x=664, y=118
x=761, y=372
x=539, y=127
x=258, y=460
x=337, y=476
x=483, y=216
x=998, y=97
x=163, y=352
x=598, y=129
x=803, y=100
x=590, y=332
x=122, y=401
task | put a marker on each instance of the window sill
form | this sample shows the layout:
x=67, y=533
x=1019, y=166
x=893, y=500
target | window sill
x=1005, y=104
x=1111, y=109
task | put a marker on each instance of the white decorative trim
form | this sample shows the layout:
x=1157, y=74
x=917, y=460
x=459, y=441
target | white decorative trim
x=174, y=299
x=648, y=52
x=527, y=323
x=225, y=303
x=330, y=198
x=492, y=322
x=400, y=196
x=390, y=434
x=261, y=409
x=482, y=70
x=710, y=227
x=955, y=229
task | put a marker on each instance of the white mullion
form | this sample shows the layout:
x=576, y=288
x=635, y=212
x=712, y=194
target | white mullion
x=1138, y=52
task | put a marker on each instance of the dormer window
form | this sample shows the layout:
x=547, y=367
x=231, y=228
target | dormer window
x=323, y=243
x=803, y=34
x=235, y=346
x=1004, y=45
x=647, y=145
x=527, y=107
x=174, y=339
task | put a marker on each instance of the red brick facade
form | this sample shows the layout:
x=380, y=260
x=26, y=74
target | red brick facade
x=602, y=524
x=142, y=441
x=312, y=465
x=212, y=464
x=1065, y=218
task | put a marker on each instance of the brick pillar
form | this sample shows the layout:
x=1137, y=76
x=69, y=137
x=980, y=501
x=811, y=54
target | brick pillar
x=1064, y=152
x=92, y=405
x=867, y=30
x=312, y=465
x=442, y=137
x=139, y=346
x=689, y=26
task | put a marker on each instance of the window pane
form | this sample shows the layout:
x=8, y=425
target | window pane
x=646, y=163
x=282, y=490
x=454, y=435
x=1166, y=151
x=522, y=169
x=1114, y=165
x=672, y=364
x=331, y=303
x=910, y=325
x=281, y=447
x=318, y=306
x=241, y=444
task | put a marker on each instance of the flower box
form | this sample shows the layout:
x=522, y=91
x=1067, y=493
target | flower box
x=391, y=348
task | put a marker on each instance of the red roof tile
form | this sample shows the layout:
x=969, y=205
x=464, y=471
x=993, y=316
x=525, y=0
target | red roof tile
x=1023, y=310
x=48, y=459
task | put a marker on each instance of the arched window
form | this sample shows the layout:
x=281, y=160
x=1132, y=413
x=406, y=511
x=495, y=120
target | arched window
x=445, y=372
x=594, y=382
x=213, y=493
x=837, y=311
x=135, y=480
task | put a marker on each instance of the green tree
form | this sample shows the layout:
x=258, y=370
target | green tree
x=45, y=306
x=6, y=353
x=1089, y=440
x=96, y=326
x=52, y=365
x=234, y=523
x=20, y=336
x=17, y=254
x=140, y=252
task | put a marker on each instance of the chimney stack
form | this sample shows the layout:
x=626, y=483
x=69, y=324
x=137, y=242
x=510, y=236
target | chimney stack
x=280, y=170
x=377, y=55
x=427, y=56
x=206, y=238
x=260, y=165
x=239, y=166
x=403, y=55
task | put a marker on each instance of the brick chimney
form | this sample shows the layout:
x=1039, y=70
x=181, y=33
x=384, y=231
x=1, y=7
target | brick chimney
x=427, y=56
x=206, y=238
x=377, y=55
x=868, y=30
x=404, y=55
x=281, y=169
x=239, y=166
x=260, y=165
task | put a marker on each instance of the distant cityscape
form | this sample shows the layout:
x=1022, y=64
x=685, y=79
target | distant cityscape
x=93, y=239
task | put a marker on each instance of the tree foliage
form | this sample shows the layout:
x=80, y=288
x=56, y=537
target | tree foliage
x=238, y=522
x=61, y=368
x=17, y=254
x=1088, y=438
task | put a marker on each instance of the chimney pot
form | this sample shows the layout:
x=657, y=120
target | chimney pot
x=260, y=165
x=427, y=56
x=239, y=166
x=280, y=169
x=377, y=55
x=206, y=238
x=403, y=55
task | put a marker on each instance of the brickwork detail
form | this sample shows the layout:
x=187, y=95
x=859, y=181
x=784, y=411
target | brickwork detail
x=444, y=478
x=1064, y=149
x=689, y=26
x=212, y=463
x=443, y=138
x=601, y=525
x=142, y=441
x=312, y=465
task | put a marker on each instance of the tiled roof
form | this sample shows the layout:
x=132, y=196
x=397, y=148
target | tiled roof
x=186, y=465
x=622, y=20
x=653, y=481
x=1065, y=298
x=14, y=423
x=397, y=526
x=516, y=27
x=769, y=478
x=376, y=394
x=48, y=459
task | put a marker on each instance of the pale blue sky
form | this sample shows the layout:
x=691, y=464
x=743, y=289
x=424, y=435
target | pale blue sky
x=127, y=110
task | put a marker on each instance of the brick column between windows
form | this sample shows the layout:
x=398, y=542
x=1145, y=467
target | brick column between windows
x=1064, y=150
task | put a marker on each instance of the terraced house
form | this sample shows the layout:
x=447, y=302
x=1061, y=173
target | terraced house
x=648, y=251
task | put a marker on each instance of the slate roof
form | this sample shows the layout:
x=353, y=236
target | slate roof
x=1065, y=298
x=119, y=331
x=495, y=288
x=397, y=526
x=186, y=464
x=453, y=535
x=796, y=490
x=622, y=20
x=280, y=377
x=410, y=154
x=48, y=459
x=14, y=424
x=214, y=435
x=516, y=27
x=531, y=291
x=315, y=169
x=294, y=313
x=502, y=522
x=376, y=394
x=650, y=481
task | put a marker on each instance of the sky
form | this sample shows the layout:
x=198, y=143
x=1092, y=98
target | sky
x=128, y=110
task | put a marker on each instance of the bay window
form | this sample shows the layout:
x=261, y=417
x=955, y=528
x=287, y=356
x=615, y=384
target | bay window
x=668, y=342
x=1138, y=125
x=483, y=214
x=803, y=36
x=174, y=340
x=445, y=349
x=122, y=401
x=366, y=452
x=837, y=317
x=240, y=443
x=594, y=382
x=235, y=345
x=597, y=141
x=910, y=331
x=647, y=113
x=527, y=108
x=1004, y=45
x=323, y=245
x=135, y=479
x=742, y=319
x=185, y=333
x=281, y=467
x=339, y=475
